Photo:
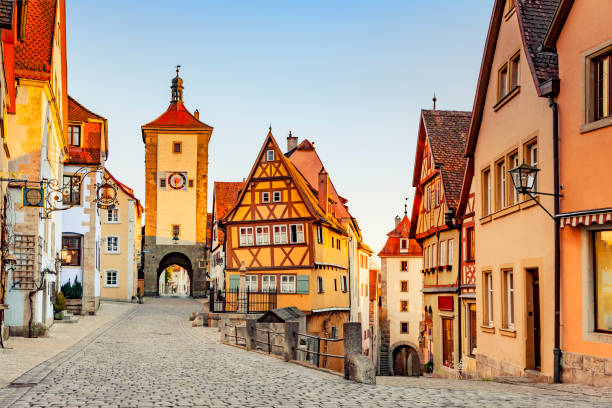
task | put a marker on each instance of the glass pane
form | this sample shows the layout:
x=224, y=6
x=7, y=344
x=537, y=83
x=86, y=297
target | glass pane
x=603, y=279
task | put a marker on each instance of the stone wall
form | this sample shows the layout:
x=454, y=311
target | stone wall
x=581, y=369
x=489, y=367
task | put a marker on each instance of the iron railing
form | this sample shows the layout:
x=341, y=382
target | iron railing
x=235, y=336
x=236, y=301
x=309, y=349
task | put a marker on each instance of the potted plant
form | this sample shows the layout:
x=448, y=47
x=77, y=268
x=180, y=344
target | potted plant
x=428, y=369
x=139, y=296
x=59, y=306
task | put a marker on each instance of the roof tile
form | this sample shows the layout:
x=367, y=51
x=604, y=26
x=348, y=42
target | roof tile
x=33, y=54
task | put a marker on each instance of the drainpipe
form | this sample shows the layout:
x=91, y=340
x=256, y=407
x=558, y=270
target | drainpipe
x=459, y=283
x=557, y=345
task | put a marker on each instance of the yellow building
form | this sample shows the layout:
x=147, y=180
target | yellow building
x=288, y=237
x=121, y=242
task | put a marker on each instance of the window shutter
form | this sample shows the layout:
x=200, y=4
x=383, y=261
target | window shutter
x=302, y=284
x=234, y=282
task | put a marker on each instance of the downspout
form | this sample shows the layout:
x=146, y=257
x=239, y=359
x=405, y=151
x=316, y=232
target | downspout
x=557, y=345
x=459, y=283
x=350, y=281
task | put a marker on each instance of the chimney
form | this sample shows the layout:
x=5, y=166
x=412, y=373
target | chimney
x=291, y=142
x=397, y=220
x=323, y=189
x=197, y=114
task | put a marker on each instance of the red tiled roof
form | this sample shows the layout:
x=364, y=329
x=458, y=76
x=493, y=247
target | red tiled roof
x=33, y=54
x=91, y=138
x=177, y=115
x=79, y=113
x=127, y=190
x=392, y=246
x=447, y=135
x=225, y=194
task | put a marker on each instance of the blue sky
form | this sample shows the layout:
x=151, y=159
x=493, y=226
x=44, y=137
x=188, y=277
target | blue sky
x=351, y=76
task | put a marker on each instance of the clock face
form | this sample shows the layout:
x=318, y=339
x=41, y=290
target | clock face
x=34, y=196
x=177, y=181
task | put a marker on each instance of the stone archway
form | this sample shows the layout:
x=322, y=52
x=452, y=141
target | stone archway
x=405, y=359
x=176, y=258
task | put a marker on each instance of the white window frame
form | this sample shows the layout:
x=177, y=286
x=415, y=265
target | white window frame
x=299, y=235
x=434, y=255
x=428, y=198
x=514, y=163
x=250, y=283
x=246, y=236
x=268, y=283
x=320, y=238
x=110, y=285
x=277, y=196
x=489, y=294
x=107, y=250
x=426, y=260
x=262, y=237
x=280, y=236
x=288, y=284
x=509, y=276
x=451, y=251
x=404, y=245
x=443, y=253
x=113, y=219
x=270, y=155
x=533, y=158
x=265, y=197
x=502, y=185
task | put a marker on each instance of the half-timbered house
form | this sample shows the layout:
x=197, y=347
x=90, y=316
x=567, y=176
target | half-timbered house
x=438, y=174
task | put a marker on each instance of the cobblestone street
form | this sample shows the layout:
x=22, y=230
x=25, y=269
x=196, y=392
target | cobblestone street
x=151, y=356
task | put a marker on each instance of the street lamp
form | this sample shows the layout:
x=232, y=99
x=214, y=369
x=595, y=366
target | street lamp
x=524, y=179
x=175, y=238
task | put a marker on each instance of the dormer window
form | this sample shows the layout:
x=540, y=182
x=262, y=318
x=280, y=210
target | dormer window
x=74, y=135
x=270, y=155
x=403, y=245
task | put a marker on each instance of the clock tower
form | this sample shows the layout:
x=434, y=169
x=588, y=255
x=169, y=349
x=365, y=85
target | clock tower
x=176, y=176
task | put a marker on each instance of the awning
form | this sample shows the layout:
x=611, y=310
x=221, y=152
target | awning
x=573, y=219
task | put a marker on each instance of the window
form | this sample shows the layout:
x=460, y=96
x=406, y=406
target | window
x=508, y=76
x=320, y=285
x=451, y=251
x=472, y=332
x=448, y=342
x=428, y=198
x=112, y=245
x=602, y=86
x=602, y=241
x=513, y=161
x=162, y=182
x=443, y=253
x=71, y=250
x=403, y=245
x=336, y=286
x=434, y=255
x=404, y=266
x=21, y=9
x=515, y=71
x=112, y=216
x=270, y=155
x=276, y=196
x=297, y=233
x=338, y=244
x=488, y=299
x=319, y=234
x=486, y=192
x=246, y=236
x=502, y=90
x=74, y=135
x=403, y=305
x=268, y=283
x=111, y=278
x=404, y=327
x=508, y=317
x=280, y=234
x=437, y=195
x=426, y=256
x=332, y=242
x=501, y=184
x=287, y=284
x=262, y=235
x=250, y=283
x=343, y=286
x=177, y=147
x=531, y=156
x=72, y=190
x=265, y=197
x=470, y=244
x=404, y=286
x=176, y=230
x=334, y=332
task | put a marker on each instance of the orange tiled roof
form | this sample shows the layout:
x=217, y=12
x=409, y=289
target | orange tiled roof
x=127, y=190
x=225, y=194
x=91, y=138
x=33, y=54
x=79, y=113
x=177, y=115
x=392, y=246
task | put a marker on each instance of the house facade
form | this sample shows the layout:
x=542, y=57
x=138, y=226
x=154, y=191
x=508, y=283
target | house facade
x=120, y=255
x=581, y=36
x=38, y=131
x=81, y=240
x=402, y=300
x=515, y=283
x=438, y=174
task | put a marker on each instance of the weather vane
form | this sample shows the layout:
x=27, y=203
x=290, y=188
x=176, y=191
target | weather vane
x=406, y=207
x=178, y=67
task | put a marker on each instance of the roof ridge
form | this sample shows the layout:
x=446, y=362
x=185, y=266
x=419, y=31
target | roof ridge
x=70, y=98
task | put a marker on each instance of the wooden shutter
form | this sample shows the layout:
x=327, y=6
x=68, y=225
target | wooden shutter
x=302, y=284
x=234, y=282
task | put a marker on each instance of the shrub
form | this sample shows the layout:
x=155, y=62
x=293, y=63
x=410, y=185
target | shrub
x=74, y=290
x=60, y=302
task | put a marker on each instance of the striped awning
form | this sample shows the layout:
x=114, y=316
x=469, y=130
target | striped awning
x=586, y=218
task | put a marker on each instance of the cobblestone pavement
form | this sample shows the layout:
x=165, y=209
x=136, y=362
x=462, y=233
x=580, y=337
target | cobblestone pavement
x=151, y=357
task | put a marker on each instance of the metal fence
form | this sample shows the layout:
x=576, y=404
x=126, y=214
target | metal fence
x=236, y=301
x=309, y=349
x=238, y=340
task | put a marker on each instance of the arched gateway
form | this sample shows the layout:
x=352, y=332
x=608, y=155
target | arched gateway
x=176, y=174
x=406, y=360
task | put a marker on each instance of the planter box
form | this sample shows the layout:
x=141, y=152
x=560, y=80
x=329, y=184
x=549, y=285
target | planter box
x=59, y=315
x=74, y=306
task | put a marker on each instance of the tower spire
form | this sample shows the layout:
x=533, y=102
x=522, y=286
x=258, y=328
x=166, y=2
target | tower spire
x=434, y=99
x=406, y=207
x=177, y=87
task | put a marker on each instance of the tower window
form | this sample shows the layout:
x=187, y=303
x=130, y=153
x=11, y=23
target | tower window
x=162, y=182
x=270, y=155
x=177, y=147
x=190, y=183
x=176, y=230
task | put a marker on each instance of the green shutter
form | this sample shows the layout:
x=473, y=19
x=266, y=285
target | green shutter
x=234, y=282
x=302, y=284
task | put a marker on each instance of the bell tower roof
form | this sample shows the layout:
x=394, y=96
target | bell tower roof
x=177, y=87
